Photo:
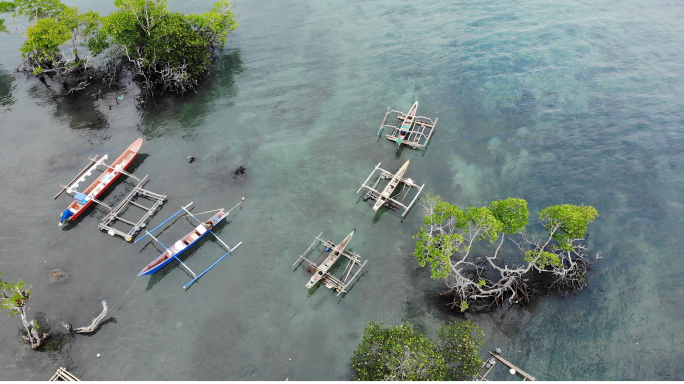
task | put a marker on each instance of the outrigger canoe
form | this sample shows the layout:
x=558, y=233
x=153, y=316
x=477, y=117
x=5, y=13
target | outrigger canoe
x=183, y=244
x=83, y=199
x=322, y=269
x=382, y=199
x=407, y=123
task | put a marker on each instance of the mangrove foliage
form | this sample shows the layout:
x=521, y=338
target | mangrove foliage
x=162, y=51
x=484, y=254
x=401, y=353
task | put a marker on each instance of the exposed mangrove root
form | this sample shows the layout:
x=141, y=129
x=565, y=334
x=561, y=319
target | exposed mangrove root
x=92, y=326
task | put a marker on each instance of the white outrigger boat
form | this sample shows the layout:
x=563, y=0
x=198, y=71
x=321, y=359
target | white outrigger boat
x=322, y=271
x=384, y=197
x=409, y=129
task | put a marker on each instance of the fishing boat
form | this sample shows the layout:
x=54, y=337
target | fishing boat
x=405, y=127
x=409, y=129
x=183, y=244
x=382, y=199
x=322, y=269
x=83, y=199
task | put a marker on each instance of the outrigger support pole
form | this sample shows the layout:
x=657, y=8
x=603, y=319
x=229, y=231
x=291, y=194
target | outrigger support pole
x=353, y=278
x=307, y=250
x=369, y=176
x=93, y=160
x=165, y=221
x=384, y=121
x=212, y=266
x=420, y=189
x=120, y=171
x=210, y=231
x=176, y=257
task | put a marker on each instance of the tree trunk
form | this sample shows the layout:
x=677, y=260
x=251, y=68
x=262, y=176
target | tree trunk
x=33, y=337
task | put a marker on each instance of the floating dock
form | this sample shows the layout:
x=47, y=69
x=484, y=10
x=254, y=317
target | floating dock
x=115, y=213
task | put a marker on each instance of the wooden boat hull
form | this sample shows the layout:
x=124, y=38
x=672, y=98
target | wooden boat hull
x=183, y=244
x=387, y=192
x=106, y=179
x=330, y=261
x=406, y=124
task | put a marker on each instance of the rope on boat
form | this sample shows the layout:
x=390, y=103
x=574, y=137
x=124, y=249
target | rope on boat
x=364, y=214
x=110, y=260
x=129, y=289
x=202, y=213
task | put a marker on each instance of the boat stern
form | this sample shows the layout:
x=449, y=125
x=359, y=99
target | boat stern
x=318, y=276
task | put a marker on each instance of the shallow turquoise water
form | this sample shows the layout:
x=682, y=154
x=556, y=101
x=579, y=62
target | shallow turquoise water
x=555, y=102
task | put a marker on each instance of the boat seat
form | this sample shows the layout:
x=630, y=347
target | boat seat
x=201, y=229
x=179, y=246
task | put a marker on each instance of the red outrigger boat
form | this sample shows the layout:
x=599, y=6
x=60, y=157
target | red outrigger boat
x=83, y=199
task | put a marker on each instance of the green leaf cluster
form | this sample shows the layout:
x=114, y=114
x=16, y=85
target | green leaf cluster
x=38, y=9
x=512, y=213
x=5, y=7
x=571, y=220
x=45, y=37
x=401, y=353
x=501, y=217
x=436, y=250
x=147, y=31
x=543, y=259
x=144, y=32
x=13, y=296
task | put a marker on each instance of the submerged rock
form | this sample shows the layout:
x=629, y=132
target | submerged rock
x=63, y=160
x=57, y=275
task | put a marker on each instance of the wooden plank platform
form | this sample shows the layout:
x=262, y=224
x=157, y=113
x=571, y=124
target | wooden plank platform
x=63, y=375
x=115, y=214
x=492, y=361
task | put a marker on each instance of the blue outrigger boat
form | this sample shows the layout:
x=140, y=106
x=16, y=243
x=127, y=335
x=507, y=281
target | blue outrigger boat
x=186, y=242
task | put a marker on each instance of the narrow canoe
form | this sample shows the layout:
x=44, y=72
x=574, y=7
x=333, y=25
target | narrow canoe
x=330, y=261
x=387, y=192
x=101, y=183
x=183, y=244
x=406, y=124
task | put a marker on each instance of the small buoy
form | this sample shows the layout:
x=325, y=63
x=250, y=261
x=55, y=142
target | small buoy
x=512, y=371
x=98, y=355
x=191, y=159
x=243, y=199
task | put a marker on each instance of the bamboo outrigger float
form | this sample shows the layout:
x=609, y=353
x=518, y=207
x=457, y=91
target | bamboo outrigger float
x=409, y=129
x=323, y=271
x=384, y=197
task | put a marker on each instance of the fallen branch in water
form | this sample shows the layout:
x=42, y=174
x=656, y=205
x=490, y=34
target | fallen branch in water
x=91, y=327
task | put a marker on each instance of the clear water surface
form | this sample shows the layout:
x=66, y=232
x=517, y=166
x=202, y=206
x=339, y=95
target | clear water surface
x=552, y=101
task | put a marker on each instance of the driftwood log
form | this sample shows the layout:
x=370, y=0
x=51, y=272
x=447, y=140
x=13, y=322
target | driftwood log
x=92, y=326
